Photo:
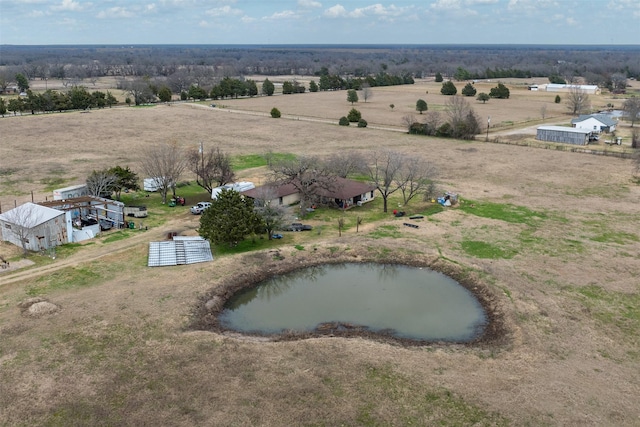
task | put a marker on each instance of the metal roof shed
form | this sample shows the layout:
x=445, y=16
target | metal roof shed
x=563, y=134
x=38, y=226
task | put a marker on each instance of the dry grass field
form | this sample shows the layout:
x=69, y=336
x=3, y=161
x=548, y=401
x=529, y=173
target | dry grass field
x=550, y=237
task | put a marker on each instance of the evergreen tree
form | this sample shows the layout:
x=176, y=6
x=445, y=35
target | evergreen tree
x=438, y=78
x=352, y=96
x=468, y=90
x=448, y=88
x=500, y=91
x=229, y=219
x=354, y=115
x=421, y=105
x=267, y=87
x=313, y=87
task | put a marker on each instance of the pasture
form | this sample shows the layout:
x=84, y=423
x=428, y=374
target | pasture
x=550, y=236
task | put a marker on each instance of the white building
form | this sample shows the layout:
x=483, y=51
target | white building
x=555, y=87
x=38, y=226
x=596, y=123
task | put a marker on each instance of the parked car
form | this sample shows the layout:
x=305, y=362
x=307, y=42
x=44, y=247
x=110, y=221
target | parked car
x=200, y=207
x=298, y=226
x=276, y=236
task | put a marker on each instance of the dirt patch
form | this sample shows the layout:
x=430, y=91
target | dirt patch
x=37, y=307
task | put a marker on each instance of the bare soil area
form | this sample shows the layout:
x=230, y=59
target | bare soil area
x=125, y=343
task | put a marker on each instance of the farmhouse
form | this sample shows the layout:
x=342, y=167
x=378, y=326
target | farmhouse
x=282, y=195
x=596, y=123
x=39, y=227
x=563, y=134
x=345, y=193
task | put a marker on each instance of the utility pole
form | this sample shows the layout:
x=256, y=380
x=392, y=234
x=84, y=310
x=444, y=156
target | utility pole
x=488, y=124
x=202, y=161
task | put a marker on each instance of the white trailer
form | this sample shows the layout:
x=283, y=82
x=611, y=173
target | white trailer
x=236, y=186
x=71, y=192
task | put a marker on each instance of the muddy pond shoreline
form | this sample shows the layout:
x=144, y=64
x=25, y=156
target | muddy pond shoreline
x=254, y=268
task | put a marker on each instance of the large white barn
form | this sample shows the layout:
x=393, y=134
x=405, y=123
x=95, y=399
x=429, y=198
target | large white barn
x=555, y=87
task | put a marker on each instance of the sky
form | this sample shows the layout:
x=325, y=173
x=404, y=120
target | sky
x=45, y=22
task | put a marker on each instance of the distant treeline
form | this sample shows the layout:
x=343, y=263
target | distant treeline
x=198, y=62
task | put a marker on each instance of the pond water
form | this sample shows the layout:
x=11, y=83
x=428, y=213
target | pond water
x=408, y=302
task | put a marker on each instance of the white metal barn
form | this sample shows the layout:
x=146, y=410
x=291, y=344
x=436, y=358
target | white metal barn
x=40, y=227
x=563, y=134
x=588, y=89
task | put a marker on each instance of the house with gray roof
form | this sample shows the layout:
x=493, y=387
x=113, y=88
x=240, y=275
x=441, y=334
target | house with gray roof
x=595, y=123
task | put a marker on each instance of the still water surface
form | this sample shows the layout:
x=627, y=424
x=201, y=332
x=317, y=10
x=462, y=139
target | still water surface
x=415, y=303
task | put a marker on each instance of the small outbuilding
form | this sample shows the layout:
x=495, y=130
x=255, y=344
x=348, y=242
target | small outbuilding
x=38, y=227
x=563, y=134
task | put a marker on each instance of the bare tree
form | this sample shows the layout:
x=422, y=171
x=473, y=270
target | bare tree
x=577, y=100
x=618, y=82
x=383, y=172
x=632, y=109
x=164, y=163
x=101, y=183
x=367, y=93
x=345, y=163
x=543, y=111
x=408, y=120
x=309, y=175
x=269, y=210
x=462, y=118
x=18, y=224
x=212, y=167
x=414, y=177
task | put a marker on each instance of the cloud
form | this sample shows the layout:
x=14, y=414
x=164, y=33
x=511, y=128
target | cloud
x=632, y=6
x=285, y=14
x=70, y=5
x=309, y=4
x=446, y=5
x=377, y=10
x=337, y=11
x=380, y=10
x=223, y=11
x=115, y=12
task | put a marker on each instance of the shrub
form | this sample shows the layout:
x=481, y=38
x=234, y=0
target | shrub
x=275, y=113
x=469, y=90
x=500, y=91
x=362, y=123
x=558, y=99
x=343, y=121
x=445, y=130
x=354, y=115
x=448, y=88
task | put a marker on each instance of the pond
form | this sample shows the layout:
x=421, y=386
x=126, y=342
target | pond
x=405, y=302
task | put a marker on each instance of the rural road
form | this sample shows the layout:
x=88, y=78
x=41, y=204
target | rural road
x=93, y=252
x=288, y=117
